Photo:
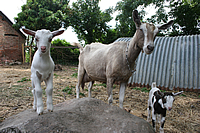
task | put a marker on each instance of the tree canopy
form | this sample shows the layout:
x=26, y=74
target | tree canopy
x=88, y=21
x=43, y=14
x=185, y=13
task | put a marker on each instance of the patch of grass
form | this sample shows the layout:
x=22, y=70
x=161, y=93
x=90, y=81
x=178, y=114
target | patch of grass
x=74, y=75
x=73, y=68
x=55, y=75
x=184, y=95
x=17, y=86
x=144, y=89
x=141, y=89
x=136, y=88
x=68, y=90
x=103, y=84
x=114, y=86
x=82, y=94
x=24, y=79
x=163, y=91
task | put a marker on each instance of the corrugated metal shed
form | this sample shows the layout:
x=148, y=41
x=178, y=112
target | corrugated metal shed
x=174, y=64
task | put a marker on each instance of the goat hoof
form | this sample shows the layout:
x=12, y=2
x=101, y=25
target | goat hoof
x=148, y=120
x=50, y=110
x=34, y=108
x=50, y=107
x=40, y=110
x=41, y=113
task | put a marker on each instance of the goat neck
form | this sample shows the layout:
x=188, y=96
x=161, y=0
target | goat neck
x=134, y=49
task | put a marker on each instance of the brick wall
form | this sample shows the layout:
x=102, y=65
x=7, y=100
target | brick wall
x=10, y=42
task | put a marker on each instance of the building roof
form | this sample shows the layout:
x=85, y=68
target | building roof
x=4, y=17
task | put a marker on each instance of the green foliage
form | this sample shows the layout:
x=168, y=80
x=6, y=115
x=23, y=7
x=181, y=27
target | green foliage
x=64, y=55
x=141, y=89
x=68, y=90
x=125, y=25
x=55, y=75
x=23, y=79
x=183, y=95
x=74, y=75
x=82, y=94
x=110, y=36
x=187, y=17
x=88, y=21
x=102, y=84
x=185, y=13
x=43, y=14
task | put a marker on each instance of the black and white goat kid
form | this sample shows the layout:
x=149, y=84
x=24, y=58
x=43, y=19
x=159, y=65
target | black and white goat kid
x=159, y=103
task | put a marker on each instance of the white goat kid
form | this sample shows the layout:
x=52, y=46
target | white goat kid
x=42, y=68
x=159, y=103
x=115, y=62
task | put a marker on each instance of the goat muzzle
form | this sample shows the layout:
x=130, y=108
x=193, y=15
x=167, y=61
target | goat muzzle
x=43, y=49
x=150, y=48
x=169, y=108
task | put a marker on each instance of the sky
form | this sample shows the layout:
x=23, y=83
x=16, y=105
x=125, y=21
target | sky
x=12, y=7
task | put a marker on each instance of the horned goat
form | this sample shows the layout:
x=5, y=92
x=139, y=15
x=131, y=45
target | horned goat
x=42, y=68
x=115, y=62
x=159, y=103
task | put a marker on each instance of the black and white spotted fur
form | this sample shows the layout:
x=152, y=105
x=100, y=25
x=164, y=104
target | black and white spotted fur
x=159, y=103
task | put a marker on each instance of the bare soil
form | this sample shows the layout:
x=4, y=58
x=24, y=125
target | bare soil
x=16, y=96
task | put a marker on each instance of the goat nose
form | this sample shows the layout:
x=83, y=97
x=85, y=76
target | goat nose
x=169, y=108
x=150, y=47
x=43, y=48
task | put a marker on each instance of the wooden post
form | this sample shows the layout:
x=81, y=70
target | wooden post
x=30, y=51
x=23, y=53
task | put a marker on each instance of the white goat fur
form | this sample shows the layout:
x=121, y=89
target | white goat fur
x=159, y=103
x=42, y=68
x=108, y=63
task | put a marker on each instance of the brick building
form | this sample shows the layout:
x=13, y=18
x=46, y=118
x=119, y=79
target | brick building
x=11, y=40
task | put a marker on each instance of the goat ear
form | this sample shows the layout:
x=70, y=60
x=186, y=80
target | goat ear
x=136, y=19
x=178, y=93
x=165, y=26
x=29, y=32
x=158, y=94
x=57, y=32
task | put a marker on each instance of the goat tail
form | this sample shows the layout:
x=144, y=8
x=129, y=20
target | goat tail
x=78, y=45
x=153, y=85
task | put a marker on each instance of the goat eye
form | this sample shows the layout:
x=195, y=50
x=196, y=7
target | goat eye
x=36, y=39
x=50, y=39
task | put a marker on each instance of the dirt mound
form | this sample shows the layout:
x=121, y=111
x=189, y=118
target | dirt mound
x=78, y=115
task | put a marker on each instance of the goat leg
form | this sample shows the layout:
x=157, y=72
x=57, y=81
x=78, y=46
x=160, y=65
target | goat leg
x=121, y=94
x=49, y=91
x=109, y=90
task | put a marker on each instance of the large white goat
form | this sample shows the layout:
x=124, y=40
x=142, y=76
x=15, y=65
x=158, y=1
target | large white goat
x=159, y=103
x=42, y=68
x=115, y=62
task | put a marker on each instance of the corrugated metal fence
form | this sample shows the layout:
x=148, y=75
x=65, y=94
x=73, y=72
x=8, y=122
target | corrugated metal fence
x=174, y=64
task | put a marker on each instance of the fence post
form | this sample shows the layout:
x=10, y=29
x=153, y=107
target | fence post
x=30, y=51
x=23, y=53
